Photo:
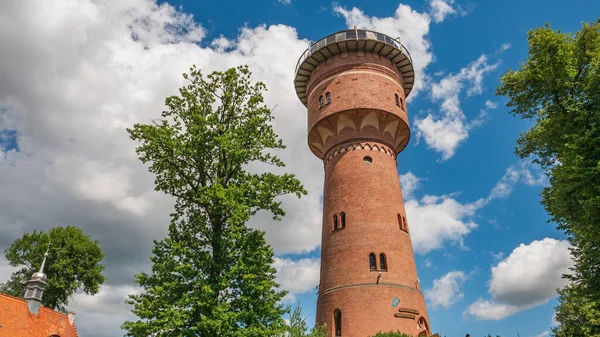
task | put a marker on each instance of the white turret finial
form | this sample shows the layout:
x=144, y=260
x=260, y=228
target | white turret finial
x=45, y=255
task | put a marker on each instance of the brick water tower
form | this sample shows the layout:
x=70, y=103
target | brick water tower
x=354, y=84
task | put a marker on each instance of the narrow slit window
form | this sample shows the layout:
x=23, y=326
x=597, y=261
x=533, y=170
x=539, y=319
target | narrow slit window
x=401, y=103
x=343, y=218
x=337, y=322
x=327, y=98
x=335, y=222
x=405, y=224
x=397, y=100
x=321, y=102
x=372, y=262
x=382, y=262
x=400, y=221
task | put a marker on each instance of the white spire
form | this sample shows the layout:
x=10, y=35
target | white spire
x=45, y=256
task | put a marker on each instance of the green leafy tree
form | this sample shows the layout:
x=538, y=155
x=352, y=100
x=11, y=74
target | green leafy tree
x=557, y=88
x=297, y=326
x=73, y=263
x=212, y=275
x=579, y=316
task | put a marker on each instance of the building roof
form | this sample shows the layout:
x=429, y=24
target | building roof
x=17, y=321
x=349, y=41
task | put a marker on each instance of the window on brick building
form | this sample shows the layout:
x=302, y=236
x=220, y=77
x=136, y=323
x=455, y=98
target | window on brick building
x=401, y=103
x=372, y=262
x=327, y=98
x=397, y=100
x=343, y=219
x=335, y=222
x=337, y=322
x=321, y=102
x=400, y=221
x=405, y=224
x=382, y=262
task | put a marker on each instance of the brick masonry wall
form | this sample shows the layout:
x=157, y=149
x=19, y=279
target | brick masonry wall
x=363, y=112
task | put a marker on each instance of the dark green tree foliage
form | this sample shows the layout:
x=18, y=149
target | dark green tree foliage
x=212, y=275
x=73, y=263
x=558, y=89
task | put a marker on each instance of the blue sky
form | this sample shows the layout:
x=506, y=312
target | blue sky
x=74, y=79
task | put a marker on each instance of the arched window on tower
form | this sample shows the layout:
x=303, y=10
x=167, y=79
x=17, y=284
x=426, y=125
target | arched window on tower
x=422, y=324
x=343, y=218
x=382, y=262
x=400, y=221
x=337, y=322
x=405, y=224
x=327, y=98
x=321, y=101
x=335, y=222
x=397, y=100
x=372, y=262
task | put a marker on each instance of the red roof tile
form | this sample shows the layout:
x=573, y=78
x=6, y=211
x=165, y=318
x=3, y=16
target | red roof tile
x=17, y=321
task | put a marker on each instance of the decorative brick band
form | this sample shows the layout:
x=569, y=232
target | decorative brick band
x=373, y=146
x=368, y=285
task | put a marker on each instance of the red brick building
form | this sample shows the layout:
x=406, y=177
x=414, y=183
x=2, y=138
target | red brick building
x=27, y=318
x=354, y=84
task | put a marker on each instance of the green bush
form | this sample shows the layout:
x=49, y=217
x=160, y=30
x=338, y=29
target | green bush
x=391, y=334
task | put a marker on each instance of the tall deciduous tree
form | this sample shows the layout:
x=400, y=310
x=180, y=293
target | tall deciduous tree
x=298, y=327
x=578, y=315
x=212, y=275
x=73, y=263
x=558, y=88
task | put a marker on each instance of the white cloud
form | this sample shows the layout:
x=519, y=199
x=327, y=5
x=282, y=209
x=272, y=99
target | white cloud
x=444, y=133
x=497, y=256
x=437, y=220
x=543, y=334
x=515, y=282
x=440, y=9
x=519, y=173
x=446, y=290
x=285, y=2
x=411, y=26
x=409, y=183
x=298, y=277
x=104, y=311
x=491, y=105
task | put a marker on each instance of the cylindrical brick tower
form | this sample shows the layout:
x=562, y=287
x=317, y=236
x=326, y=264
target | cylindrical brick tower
x=354, y=84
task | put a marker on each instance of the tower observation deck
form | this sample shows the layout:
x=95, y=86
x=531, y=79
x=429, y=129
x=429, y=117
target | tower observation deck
x=354, y=84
